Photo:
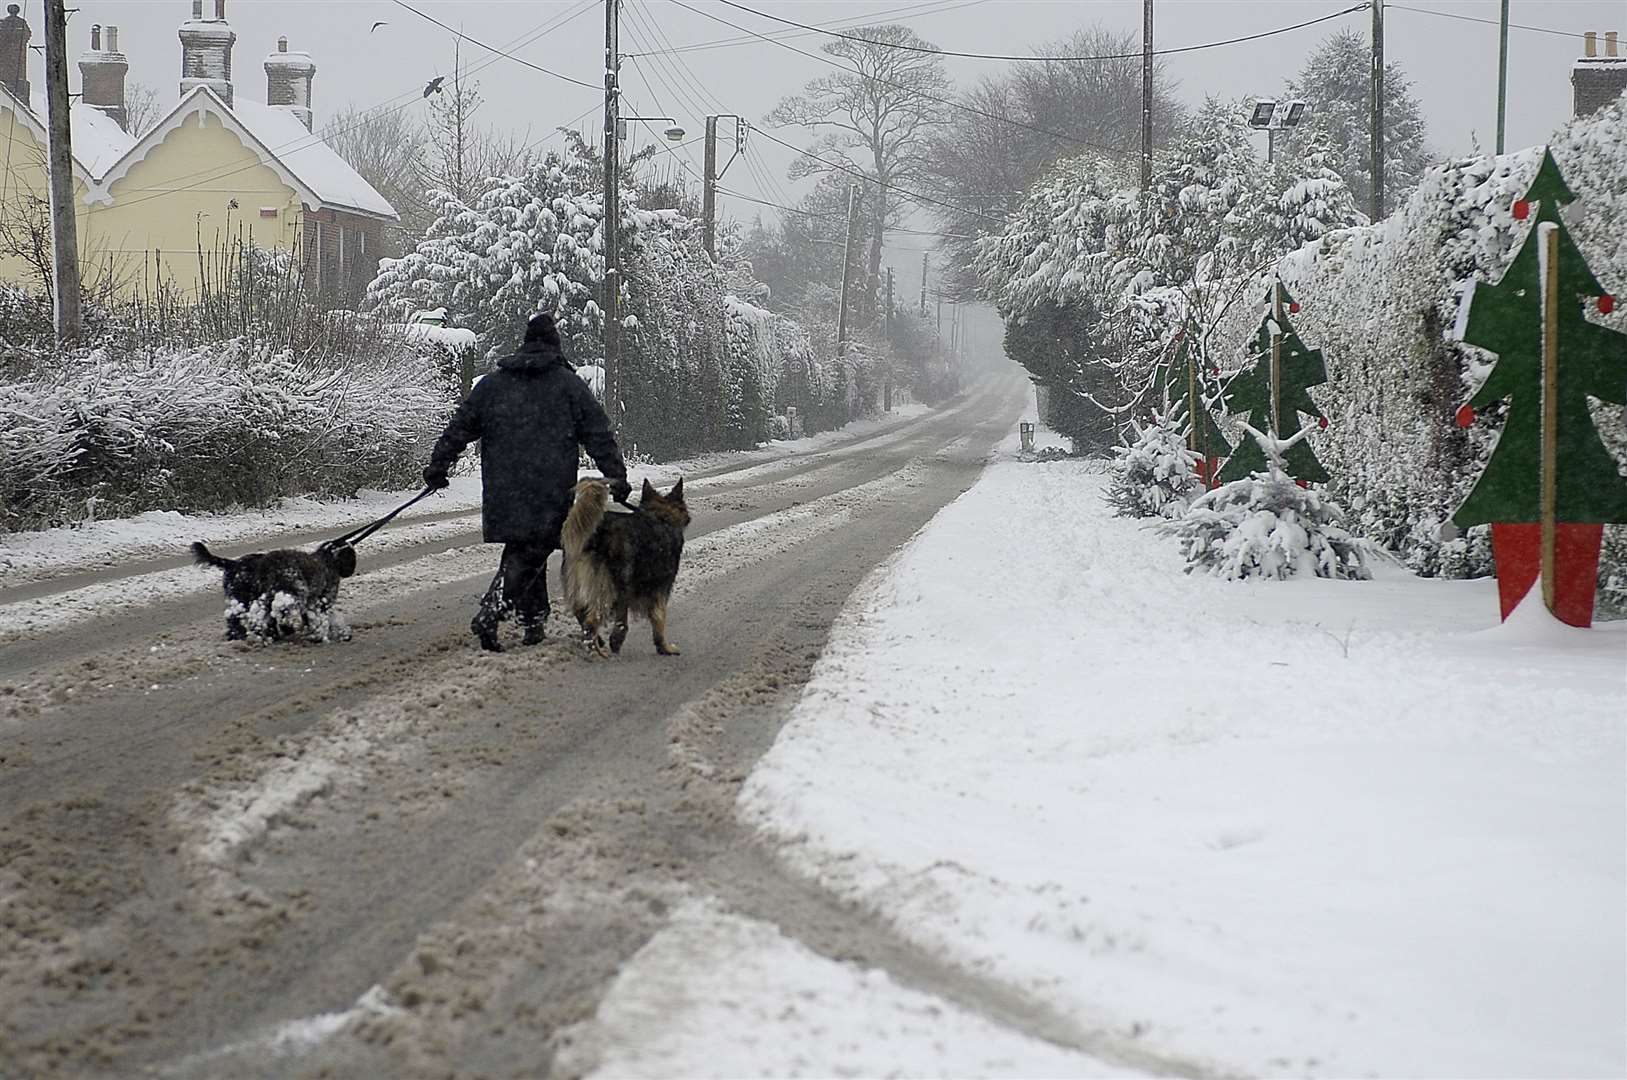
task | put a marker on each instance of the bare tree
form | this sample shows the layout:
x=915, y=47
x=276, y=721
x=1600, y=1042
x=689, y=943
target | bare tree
x=387, y=147
x=141, y=108
x=876, y=120
x=459, y=153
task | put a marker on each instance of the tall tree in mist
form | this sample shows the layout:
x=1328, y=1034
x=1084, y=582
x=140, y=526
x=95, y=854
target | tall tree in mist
x=1336, y=80
x=1016, y=125
x=877, y=119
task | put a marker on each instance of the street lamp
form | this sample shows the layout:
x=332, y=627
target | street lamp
x=672, y=133
x=1269, y=118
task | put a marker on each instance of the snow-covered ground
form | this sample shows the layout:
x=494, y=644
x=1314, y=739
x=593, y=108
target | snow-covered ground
x=1308, y=827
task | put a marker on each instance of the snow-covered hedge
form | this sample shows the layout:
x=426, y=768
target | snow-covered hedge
x=206, y=428
x=1380, y=302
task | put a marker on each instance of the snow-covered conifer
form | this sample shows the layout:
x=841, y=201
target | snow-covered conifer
x=1156, y=476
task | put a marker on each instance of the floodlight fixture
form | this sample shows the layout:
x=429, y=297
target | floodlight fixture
x=1296, y=113
x=1263, y=108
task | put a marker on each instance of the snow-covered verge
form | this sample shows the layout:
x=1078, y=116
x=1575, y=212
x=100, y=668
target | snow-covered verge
x=718, y=995
x=1313, y=827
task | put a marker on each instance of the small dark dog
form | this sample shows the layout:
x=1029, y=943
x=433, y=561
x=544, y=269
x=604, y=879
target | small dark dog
x=621, y=563
x=283, y=594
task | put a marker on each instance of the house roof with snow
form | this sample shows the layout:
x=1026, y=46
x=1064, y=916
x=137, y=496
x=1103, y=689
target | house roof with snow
x=98, y=141
x=301, y=158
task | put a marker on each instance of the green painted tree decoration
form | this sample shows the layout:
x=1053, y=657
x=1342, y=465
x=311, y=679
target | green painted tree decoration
x=1563, y=461
x=1249, y=394
x=1183, y=377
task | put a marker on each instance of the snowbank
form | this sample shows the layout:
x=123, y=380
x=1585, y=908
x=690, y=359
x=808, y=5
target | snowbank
x=1311, y=827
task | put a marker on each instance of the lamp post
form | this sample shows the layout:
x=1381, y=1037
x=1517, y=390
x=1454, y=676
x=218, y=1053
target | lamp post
x=1271, y=118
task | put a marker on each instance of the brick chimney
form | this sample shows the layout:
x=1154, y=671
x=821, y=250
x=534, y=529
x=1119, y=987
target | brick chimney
x=206, y=51
x=1598, y=80
x=102, y=73
x=288, y=81
x=14, y=35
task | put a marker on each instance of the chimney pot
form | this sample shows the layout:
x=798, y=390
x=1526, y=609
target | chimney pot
x=96, y=38
x=220, y=10
x=14, y=35
x=112, y=39
x=1610, y=43
x=282, y=44
x=197, y=9
x=1591, y=48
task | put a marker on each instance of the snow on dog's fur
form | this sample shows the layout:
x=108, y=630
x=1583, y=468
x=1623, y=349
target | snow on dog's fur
x=282, y=594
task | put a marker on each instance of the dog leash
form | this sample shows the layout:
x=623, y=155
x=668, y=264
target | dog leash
x=356, y=536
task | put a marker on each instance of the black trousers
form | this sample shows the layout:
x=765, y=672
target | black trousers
x=520, y=587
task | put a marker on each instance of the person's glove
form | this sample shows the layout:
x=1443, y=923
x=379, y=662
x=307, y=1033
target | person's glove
x=435, y=477
x=620, y=490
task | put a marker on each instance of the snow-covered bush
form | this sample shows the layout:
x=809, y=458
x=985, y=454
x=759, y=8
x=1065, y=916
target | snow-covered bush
x=1156, y=476
x=206, y=428
x=1268, y=526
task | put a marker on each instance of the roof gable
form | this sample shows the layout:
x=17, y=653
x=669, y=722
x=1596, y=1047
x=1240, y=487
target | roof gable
x=280, y=142
x=77, y=124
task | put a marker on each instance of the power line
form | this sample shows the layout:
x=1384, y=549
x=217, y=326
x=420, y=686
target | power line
x=946, y=102
x=938, y=7
x=494, y=49
x=838, y=217
x=1046, y=59
x=1487, y=22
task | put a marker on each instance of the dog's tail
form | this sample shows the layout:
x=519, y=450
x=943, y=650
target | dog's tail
x=592, y=499
x=204, y=557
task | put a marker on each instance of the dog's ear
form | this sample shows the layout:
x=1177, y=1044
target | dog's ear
x=677, y=491
x=344, y=560
x=649, y=492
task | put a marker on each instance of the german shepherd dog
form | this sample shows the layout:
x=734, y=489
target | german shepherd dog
x=283, y=594
x=616, y=563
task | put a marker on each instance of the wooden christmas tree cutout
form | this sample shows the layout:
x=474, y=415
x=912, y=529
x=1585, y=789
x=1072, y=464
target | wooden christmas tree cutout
x=1550, y=484
x=1272, y=393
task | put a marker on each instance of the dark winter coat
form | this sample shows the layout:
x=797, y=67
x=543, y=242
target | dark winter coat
x=529, y=415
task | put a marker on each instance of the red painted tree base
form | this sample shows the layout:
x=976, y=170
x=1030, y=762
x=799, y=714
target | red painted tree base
x=1518, y=551
x=1208, y=468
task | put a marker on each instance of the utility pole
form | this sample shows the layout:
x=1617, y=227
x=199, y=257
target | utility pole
x=1378, y=111
x=1502, y=74
x=64, y=234
x=847, y=265
x=1146, y=97
x=887, y=384
x=923, y=283
x=709, y=189
x=612, y=213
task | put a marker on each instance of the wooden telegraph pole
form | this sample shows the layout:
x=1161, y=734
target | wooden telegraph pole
x=1276, y=359
x=64, y=234
x=612, y=214
x=1146, y=97
x=709, y=189
x=1502, y=73
x=1548, y=237
x=887, y=383
x=923, y=283
x=847, y=265
x=1376, y=151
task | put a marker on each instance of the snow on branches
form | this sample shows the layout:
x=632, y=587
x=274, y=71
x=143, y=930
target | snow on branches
x=1266, y=525
x=1156, y=476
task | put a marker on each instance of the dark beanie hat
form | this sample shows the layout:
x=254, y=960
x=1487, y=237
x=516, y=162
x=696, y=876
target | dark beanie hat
x=541, y=328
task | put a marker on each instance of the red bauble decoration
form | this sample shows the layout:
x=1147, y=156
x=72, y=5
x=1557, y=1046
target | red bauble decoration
x=1294, y=307
x=1322, y=422
x=1465, y=416
x=1607, y=304
x=1522, y=209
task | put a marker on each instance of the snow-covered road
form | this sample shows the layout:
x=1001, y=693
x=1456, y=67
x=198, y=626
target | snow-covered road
x=1309, y=827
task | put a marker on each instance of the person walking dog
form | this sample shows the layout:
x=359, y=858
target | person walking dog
x=530, y=415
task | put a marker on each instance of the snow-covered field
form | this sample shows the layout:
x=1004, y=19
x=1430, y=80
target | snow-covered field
x=1314, y=827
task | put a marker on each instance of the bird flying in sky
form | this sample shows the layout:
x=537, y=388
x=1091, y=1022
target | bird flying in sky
x=434, y=86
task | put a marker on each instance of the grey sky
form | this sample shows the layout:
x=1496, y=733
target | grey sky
x=1452, y=63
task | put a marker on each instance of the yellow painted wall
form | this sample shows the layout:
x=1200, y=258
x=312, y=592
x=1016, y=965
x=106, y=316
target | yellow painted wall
x=179, y=194
x=180, y=191
x=24, y=177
